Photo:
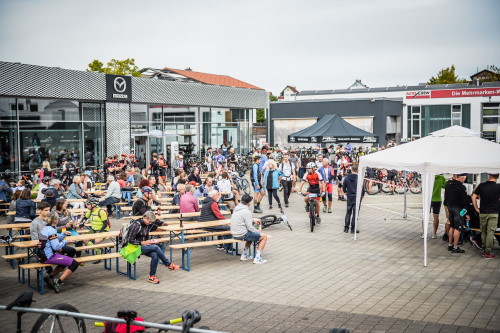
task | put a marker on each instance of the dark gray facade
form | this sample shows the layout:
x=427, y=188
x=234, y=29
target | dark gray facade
x=379, y=109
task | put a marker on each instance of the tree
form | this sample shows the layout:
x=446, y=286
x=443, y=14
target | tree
x=261, y=116
x=117, y=67
x=273, y=98
x=446, y=76
x=495, y=74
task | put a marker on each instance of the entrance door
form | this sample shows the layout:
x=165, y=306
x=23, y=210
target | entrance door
x=141, y=150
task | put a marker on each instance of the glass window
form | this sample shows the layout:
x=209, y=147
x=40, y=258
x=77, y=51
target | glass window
x=51, y=141
x=92, y=112
x=8, y=147
x=179, y=114
x=456, y=115
x=93, y=134
x=139, y=112
x=415, y=121
x=48, y=110
x=8, y=109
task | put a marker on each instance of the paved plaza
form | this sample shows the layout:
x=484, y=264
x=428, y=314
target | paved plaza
x=312, y=282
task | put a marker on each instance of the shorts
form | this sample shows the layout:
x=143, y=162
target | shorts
x=329, y=188
x=251, y=236
x=256, y=188
x=339, y=177
x=390, y=176
x=60, y=260
x=314, y=189
x=370, y=173
x=456, y=221
x=435, y=207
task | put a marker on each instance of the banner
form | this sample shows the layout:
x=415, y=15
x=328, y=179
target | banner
x=451, y=93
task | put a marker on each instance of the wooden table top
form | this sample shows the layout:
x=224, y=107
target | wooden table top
x=195, y=225
x=14, y=225
x=70, y=239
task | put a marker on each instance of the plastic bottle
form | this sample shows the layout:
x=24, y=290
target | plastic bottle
x=467, y=225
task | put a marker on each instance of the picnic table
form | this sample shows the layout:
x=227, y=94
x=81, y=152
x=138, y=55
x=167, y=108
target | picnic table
x=175, y=215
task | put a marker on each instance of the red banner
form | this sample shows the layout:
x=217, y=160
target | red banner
x=450, y=93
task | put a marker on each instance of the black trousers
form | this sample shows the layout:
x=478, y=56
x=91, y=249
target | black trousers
x=350, y=215
x=287, y=189
x=273, y=192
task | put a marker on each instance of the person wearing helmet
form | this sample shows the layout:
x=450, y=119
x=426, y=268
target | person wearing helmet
x=43, y=185
x=316, y=185
x=98, y=219
x=143, y=204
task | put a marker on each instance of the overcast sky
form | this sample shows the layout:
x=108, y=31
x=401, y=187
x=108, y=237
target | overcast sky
x=324, y=44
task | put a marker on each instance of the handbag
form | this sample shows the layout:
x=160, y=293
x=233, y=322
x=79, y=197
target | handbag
x=131, y=252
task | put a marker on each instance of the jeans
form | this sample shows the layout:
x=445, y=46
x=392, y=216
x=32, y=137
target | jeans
x=108, y=203
x=351, y=208
x=273, y=192
x=287, y=189
x=127, y=195
x=155, y=253
x=488, y=227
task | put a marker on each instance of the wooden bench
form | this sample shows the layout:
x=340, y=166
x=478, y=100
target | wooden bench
x=479, y=230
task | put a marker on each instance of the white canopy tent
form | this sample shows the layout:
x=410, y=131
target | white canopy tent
x=451, y=150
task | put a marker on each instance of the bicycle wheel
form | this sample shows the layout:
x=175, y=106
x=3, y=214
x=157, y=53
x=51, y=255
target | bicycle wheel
x=415, y=186
x=55, y=323
x=268, y=220
x=245, y=186
x=312, y=215
x=385, y=188
x=400, y=189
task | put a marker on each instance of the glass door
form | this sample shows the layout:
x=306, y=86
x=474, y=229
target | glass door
x=141, y=150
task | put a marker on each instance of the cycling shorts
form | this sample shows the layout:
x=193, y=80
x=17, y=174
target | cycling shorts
x=329, y=188
x=390, y=177
x=314, y=189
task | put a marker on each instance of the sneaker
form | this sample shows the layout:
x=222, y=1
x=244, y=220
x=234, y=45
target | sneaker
x=450, y=247
x=219, y=247
x=421, y=235
x=457, y=250
x=489, y=256
x=445, y=238
x=318, y=219
x=434, y=236
x=95, y=262
x=49, y=280
x=256, y=210
x=324, y=209
x=259, y=261
x=174, y=267
x=270, y=207
x=244, y=257
x=346, y=229
x=286, y=205
x=279, y=206
x=152, y=279
x=343, y=199
x=57, y=285
x=329, y=210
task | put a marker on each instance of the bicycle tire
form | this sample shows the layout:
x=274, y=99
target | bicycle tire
x=312, y=215
x=245, y=185
x=399, y=186
x=385, y=188
x=268, y=220
x=45, y=319
x=415, y=186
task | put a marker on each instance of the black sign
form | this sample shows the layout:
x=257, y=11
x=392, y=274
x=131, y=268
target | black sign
x=118, y=88
x=333, y=139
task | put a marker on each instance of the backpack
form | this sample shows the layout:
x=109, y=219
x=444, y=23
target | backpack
x=124, y=232
x=40, y=248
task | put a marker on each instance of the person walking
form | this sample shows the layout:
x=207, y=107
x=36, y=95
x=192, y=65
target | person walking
x=350, y=187
x=271, y=180
x=439, y=183
x=258, y=191
x=289, y=171
x=489, y=195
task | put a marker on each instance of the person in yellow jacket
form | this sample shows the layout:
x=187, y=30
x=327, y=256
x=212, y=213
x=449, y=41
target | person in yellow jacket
x=98, y=218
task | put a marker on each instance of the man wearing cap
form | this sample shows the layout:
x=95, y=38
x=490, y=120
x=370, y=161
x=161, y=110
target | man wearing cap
x=455, y=196
x=488, y=194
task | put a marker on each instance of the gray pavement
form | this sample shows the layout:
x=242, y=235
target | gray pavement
x=312, y=282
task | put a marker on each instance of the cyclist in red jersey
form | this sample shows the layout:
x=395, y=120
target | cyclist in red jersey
x=316, y=184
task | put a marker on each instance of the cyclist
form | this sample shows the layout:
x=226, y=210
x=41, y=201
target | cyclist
x=98, y=219
x=326, y=172
x=316, y=185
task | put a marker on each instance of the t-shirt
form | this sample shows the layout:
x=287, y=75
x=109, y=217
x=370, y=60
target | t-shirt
x=489, y=194
x=313, y=179
x=439, y=183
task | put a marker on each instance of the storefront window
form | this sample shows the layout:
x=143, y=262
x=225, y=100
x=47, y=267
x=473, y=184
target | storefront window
x=48, y=110
x=139, y=113
x=8, y=147
x=8, y=110
x=93, y=133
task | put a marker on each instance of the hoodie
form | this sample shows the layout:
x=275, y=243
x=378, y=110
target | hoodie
x=241, y=221
x=350, y=186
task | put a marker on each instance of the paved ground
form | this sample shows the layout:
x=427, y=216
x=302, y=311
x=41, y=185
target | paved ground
x=313, y=281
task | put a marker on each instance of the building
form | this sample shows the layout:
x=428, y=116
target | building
x=288, y=94
x=414, y=111
x=49, y=113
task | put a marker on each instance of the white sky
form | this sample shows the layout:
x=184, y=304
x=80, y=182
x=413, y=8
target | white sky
x=323, y=44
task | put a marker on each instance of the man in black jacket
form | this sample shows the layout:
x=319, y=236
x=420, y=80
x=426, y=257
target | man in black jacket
x=139, y=235
x=455, y=196
x=350, y=186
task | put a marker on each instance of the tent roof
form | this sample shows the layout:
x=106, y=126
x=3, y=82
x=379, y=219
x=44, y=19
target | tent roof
x=331, y=125
x=451, y=150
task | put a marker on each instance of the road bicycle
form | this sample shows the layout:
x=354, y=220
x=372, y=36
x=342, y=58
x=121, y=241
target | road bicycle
x=269, y=220
x=242, y=184
x=311, y=208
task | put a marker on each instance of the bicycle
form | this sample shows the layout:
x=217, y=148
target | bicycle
x=269, y=220
x=242, y=184
x=311, y=208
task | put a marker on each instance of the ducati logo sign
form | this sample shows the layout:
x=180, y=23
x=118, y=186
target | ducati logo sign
x=118, y=88
x=120, y=84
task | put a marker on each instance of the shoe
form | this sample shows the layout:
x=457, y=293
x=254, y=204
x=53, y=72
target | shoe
x=259, y=261
x=324, y=209
x=96, y=262
x=391, y=193
x=307, y=208
x=457, y=250
x=352, y=231
x=49, y=280
x=244, y=257
x=318, y=219
x=489, y=256
x=339, y=199
x=220, y=247
x=329, y=210
x=343, y=199
x=421, y=235
x=450, y=247
x=445, y=238
x=256, y=210
x=57, y=285
x=286, y=205
x=346, y=229
x=173, y=267
x=434, y=236
x=279, y=206
x=152, y=279
x=475, y=243
x=270, y=207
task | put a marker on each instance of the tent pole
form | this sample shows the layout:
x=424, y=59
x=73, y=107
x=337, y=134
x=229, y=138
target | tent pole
x=405, y=188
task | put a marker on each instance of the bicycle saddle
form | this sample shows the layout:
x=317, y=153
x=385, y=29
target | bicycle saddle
x=24, y=300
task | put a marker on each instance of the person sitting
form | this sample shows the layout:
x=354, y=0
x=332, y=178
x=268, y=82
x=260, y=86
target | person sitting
x=12, y=206
x=176, y=200
x=5, y=191
x=143, y=204
x=37, y=225
x=65, y=221
x=76, y=192
x=112, y=196
x=224, y=185
x=195, y=176
x=99, y=221
x=50, y=198
x=210, y=212
x=25, y=207
x=54, y=249
x=162, y=187
x=139, y=235
x=242, y=228
x=208, y=186
x=189, y=204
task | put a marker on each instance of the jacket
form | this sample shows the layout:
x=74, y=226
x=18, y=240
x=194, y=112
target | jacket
x=26, y=209
x=55, y=242
x=139, y=231
x=241, y=221
x=210, y=210
x=74, y=191
x=5, y=191
x=275, y=179
x=350, y=186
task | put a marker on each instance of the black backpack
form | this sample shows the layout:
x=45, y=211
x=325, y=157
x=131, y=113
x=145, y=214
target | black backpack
x=40, y=248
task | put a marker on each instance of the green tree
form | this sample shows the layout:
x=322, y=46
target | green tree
x=494, y=76
x=273, y=98
x=446, y=76
x=261, y=116
x=115, y=66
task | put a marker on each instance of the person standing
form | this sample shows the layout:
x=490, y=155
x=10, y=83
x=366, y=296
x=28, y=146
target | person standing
x=489, y=195
x=456, y=199
x=350, y=188
x=271, y=179
x=439, y=183
x=326, y=172
x=258, y=192
x=296, y=163
x=288, y=170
